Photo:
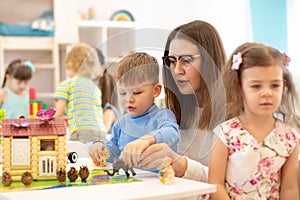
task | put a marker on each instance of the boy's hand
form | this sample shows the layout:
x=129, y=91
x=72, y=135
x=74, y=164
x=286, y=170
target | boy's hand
x=133, y=151
x=95, y=151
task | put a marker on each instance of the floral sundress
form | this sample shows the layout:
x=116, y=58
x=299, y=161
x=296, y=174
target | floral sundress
x=254, y=168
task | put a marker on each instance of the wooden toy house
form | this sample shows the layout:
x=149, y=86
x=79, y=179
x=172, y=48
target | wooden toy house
x=35, y=146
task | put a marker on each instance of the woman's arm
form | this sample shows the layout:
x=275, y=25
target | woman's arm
x=182, y=165
x=289, y=177
x=194, y=171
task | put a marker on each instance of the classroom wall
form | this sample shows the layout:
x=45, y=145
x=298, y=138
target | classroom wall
x=272, y=21
x=270, y=27
x=168, y=14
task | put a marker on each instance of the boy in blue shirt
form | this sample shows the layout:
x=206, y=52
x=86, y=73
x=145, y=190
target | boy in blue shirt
x=144, y=124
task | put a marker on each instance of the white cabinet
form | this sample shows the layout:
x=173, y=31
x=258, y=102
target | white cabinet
x=42, y=51
x=114, y=38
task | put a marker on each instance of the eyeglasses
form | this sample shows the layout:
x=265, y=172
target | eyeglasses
x=185, y=60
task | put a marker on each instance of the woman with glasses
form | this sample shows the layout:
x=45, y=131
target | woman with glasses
x=193, y=57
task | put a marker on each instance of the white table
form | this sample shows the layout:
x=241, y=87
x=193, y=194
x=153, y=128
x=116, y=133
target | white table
x=149, y=188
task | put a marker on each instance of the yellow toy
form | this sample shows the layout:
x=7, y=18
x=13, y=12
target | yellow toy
x=166, y=172
x=2, y=116
x=35, y=146
x=104, y=155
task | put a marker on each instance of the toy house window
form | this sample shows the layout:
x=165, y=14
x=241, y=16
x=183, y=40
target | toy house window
x=47, y=166
x=47, y=145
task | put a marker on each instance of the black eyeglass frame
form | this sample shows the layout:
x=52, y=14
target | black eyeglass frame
x=178, y=59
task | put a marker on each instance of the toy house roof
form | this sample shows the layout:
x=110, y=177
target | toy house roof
x=36, y=127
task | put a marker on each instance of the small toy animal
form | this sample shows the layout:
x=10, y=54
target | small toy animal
x=119, y=164
x=104, y=155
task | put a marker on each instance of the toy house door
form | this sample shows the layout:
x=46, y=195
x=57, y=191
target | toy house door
x=20, y=152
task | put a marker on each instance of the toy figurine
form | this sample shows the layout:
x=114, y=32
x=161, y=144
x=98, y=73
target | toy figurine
x=166, y=172
x=104, y=155
x=72, y=174
x=6, y=179
x=26, y=178
x=84, y=173
x=23, y=123
x=61, y=175
x=91, y=13
x=46, y=115
x=119, y=164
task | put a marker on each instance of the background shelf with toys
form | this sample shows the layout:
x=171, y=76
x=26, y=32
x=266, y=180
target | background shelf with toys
x=41, y=47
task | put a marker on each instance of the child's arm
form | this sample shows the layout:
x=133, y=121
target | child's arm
x=60, y=107
x=95, y=150
x=3, y=96
x=167, y=129
x=133, y=151
x=217, y=169
x=289, y=177
x=166, y=132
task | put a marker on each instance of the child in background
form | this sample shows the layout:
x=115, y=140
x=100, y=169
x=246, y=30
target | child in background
x=80, y=96
x=256, y=156
x=107, y=85
x=137, y=77
x=14, y=95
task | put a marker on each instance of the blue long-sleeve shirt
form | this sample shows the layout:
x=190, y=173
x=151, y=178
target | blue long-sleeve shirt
x=159, y=122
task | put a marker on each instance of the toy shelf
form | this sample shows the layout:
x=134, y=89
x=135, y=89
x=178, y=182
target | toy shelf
x=107, y=24
x=45, y=52
x=47, y=58
x=113, y=37
x=26, y=43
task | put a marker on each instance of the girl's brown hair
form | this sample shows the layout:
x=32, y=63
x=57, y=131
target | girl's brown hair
x=17, y=70
x=213, y=57
x=107, y=86
x=253, y=55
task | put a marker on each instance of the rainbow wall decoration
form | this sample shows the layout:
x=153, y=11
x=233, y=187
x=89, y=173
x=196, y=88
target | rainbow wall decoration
x=122, y=15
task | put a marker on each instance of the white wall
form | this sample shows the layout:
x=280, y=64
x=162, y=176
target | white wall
x=230, y=17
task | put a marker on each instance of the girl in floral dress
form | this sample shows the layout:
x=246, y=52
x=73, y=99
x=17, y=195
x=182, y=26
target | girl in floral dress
x=256, y=155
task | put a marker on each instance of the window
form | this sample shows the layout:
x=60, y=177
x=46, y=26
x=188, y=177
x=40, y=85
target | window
x=47, y=145
x=47, y=166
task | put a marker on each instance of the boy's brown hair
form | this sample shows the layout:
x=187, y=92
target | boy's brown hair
x=137, y=68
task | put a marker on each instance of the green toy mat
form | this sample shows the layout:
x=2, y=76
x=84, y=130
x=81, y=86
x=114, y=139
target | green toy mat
x=96, y=177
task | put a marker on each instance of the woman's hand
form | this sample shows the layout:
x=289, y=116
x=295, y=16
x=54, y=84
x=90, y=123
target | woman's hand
x=132, y=152
x=153, y=157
